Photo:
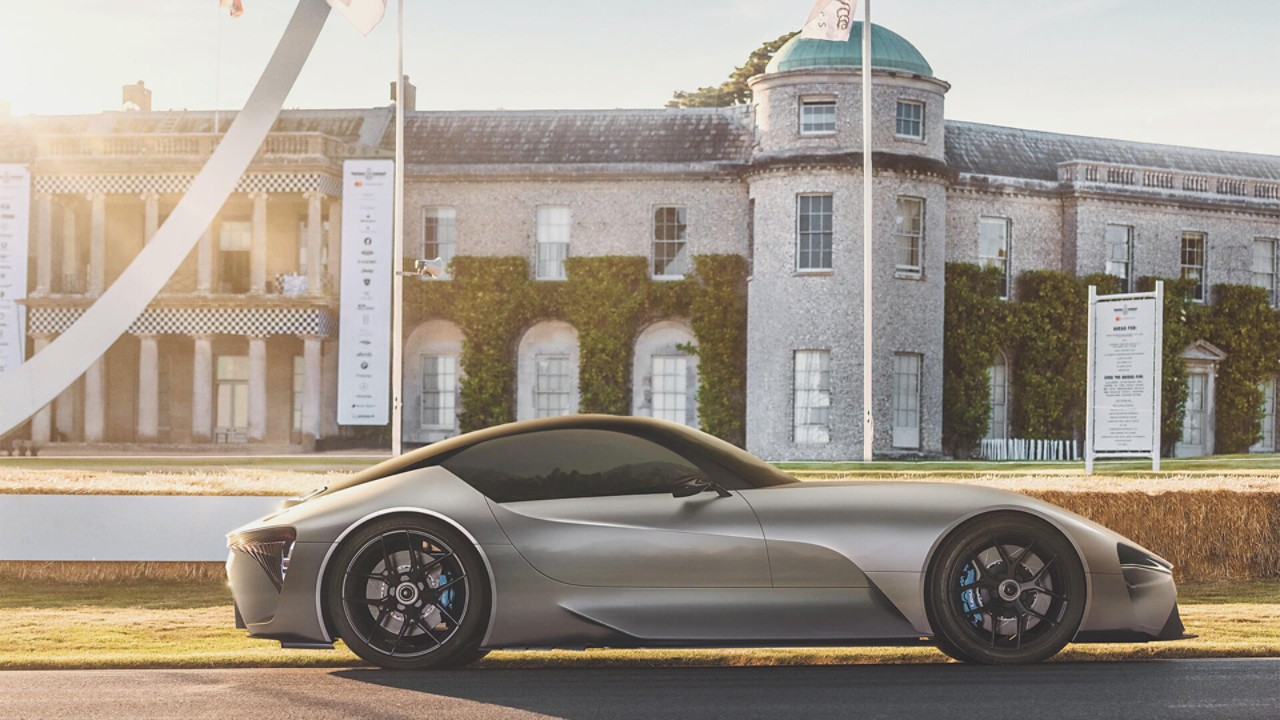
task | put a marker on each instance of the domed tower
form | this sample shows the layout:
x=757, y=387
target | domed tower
x=804, y=345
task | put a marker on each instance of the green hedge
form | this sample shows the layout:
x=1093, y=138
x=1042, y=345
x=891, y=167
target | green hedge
x=1243, y=324
x=608, y=300
x=976, y=322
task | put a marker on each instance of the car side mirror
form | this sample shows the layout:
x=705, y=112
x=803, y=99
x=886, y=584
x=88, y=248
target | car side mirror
x=691, y=485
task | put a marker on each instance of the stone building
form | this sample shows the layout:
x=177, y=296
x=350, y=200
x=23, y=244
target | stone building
x=241, y=346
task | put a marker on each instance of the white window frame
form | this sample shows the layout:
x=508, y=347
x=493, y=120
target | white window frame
x=1266, y=279
x=1119, y=257
x=986, y=259
x=826, y=251
x=998, y=401
x=444, y=393
x=907, y=370
x=900, y=119
x=809, y=125
x=444, y=220
x=669, y=387
x=1267, y=444
x=913, y=239
x=681, y=260
x=1201, y=271
x=546, y=394
x=554, y=226
x=811, y=397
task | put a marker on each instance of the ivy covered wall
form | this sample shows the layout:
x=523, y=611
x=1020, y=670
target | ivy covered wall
x=608, y=300
x=1045, y=334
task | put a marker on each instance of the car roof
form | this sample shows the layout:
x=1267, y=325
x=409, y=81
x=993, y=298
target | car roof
x=618, y=423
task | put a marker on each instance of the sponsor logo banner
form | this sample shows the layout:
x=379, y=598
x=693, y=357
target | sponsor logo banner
x=364, y=326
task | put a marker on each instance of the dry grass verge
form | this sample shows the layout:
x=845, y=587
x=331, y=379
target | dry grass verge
x=177, y=624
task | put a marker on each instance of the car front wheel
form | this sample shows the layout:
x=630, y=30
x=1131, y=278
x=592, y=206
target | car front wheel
x=1004, y=589
x=409, y=593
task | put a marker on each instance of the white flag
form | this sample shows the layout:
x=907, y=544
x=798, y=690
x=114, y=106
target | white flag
x=829, y=20
x=366, y=14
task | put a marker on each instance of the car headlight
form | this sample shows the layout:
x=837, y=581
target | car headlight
x=1132, y=556
x=270, y=547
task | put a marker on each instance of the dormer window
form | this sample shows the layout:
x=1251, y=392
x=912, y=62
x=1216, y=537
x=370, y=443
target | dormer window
x=817, y=117
x=910, y=122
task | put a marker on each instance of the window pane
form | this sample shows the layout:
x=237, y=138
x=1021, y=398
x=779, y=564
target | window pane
x=1119, y=249
x=909, y=233
x=299, y=383
x=558, y=464
x=440, y=234
x=553, y=242
x=670, y=236
x=670, y=387
x=1264, y=266
x=906, y=400
x=552, y=386
x=813, y=229
x=817, y=116
x=998, y=377
x=993, y=247
x=812, y=402
x=1193, y=259
x=235, y=235
x=439, y=391
x=910, y=120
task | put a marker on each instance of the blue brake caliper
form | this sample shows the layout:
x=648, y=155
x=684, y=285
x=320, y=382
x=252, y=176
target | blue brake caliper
x=446, y=597
x=969, y=597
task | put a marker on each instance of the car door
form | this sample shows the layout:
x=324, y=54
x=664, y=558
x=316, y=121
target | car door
x=594, y=508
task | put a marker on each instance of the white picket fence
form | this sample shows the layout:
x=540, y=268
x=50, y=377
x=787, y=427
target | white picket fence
x=1022, y=449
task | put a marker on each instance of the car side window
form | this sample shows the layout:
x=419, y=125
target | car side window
x=557, y=464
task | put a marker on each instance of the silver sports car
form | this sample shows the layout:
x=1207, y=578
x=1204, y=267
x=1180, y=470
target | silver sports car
x=602, y=531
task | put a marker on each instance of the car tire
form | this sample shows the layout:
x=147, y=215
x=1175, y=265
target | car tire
x=1004, y=589
x=409, y=593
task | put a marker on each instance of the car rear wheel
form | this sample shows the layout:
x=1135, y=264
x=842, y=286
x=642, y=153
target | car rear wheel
x=409, y=593
x=1005, y=589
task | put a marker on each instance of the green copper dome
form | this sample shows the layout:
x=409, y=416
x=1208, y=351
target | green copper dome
x=889, y=51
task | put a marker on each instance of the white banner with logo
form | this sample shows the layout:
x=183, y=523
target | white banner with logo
x=15, y=204
x=1124, y=382
x=364, y=326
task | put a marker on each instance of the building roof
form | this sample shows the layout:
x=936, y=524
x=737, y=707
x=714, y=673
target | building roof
x=685, y=135
x=1012, y=152
x=889, y=51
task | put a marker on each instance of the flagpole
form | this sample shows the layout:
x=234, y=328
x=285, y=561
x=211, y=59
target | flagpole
x=397, y=247
x=868, y=422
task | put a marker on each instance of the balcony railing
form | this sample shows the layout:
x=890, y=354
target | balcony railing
x=184, y=145
x=1099, y=173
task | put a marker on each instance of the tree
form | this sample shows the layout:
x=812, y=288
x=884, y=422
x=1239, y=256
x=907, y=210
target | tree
x=733, y=91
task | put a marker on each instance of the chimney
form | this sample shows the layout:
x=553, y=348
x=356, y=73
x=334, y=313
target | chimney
x=410, y=95
x=136, y=98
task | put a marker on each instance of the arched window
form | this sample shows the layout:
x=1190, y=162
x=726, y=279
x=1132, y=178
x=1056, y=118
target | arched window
x=665, y=377
x=998, y=379
x=547, y=371
x=432, y=382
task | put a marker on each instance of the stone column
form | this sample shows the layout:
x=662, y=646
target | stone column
x=97, y=245
x=148, y=388
x=335, y=243
x=150, y=215
x=44, y=244
x=314, y=231
x=204, y=262
x=95, y=402
x=202, y=390
x=42, y=423
x=257, y=389
x=258, y=245
x=71, y=269
x=311, y=388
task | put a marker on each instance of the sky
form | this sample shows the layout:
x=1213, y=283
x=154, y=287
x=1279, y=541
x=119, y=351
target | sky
x=1168, y=71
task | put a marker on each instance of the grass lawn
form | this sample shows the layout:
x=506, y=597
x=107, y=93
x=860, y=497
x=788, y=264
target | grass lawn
x=171, y=624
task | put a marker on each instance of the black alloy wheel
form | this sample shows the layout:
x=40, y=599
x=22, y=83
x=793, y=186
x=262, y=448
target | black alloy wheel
x=409, y=593
x=1005, y=588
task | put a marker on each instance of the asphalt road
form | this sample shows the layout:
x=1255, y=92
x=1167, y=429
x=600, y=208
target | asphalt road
x=1163, y=690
